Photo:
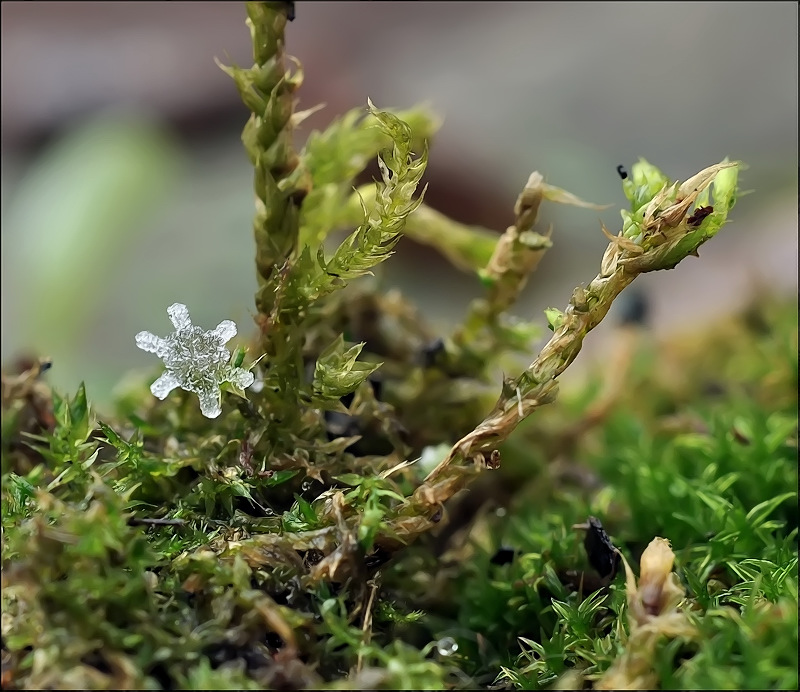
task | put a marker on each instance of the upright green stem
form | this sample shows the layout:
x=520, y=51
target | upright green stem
x=281, y=183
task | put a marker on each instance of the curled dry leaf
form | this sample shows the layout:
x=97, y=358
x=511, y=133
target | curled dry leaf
x=652, y=614
x=658, y=592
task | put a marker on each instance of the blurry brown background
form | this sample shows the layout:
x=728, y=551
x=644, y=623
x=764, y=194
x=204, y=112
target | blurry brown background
x=125, y=187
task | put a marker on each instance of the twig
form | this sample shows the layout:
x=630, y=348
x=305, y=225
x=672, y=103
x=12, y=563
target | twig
x=145, y=521
x=366, y=627
x=666, y=237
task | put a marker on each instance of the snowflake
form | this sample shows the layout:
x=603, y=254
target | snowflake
x=196, y=360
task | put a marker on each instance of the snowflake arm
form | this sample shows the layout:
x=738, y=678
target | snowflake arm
x=225, y=330
x=150, y=342
x=179, y=316
x=242, y=378
x=196, y=360
x=210, y=405
x=164, y=385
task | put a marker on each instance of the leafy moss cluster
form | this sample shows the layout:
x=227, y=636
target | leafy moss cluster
x=314, y=535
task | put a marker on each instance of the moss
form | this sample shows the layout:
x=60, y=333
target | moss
x=314, y=535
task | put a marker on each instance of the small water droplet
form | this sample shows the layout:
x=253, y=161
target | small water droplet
x=500, y=512
x=305, y=485
x=269, y=512
x=446, y=646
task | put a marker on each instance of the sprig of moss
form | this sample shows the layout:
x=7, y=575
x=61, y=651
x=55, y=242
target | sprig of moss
x=666, y=235
x=373, y=242
x=468, y=248
x=281, y=182
x=162, y=550
x=336, y=156
x=311, y=277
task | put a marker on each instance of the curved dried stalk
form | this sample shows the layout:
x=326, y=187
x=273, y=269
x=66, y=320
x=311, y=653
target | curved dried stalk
x=668, y=234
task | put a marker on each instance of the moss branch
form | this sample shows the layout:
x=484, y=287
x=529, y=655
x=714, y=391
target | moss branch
x=665, y=234
x=468, y=248
x=281, y=183
x=336, y=156
x=516, y=256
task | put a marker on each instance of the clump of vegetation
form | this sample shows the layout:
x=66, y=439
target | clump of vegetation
x=303, y=527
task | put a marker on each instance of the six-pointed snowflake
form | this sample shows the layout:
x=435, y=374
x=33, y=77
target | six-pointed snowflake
x=196, y=360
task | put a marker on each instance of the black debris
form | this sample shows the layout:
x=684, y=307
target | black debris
x=699, y=214
x=430, y=352
x=634, y=309
x=504, y=556
x=603, y=556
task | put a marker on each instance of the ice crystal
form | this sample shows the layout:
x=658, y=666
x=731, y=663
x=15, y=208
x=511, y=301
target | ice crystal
x=196, y=360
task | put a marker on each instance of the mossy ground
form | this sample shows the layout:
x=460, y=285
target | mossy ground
x=313, y=535
x=120, y=567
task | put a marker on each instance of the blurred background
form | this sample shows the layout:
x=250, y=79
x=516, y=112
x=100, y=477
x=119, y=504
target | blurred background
x=125, y=187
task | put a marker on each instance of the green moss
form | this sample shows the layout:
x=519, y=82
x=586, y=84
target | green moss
x=313, y=535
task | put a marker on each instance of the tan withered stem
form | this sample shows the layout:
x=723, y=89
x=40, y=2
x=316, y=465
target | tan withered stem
x=519, y=250
x=667, y=239
x=653, y=614
x=516, y=256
